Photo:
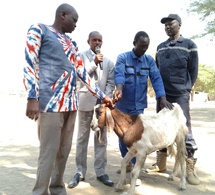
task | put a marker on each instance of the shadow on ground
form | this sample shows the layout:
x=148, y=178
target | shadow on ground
x=19, y=152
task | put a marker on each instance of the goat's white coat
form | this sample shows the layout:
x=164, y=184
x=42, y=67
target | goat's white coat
x=161, y=130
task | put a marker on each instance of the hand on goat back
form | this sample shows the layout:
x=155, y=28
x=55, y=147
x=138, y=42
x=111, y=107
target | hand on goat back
x=165, y=104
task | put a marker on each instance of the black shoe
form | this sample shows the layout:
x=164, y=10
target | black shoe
x=105, y=180
x=75, y=181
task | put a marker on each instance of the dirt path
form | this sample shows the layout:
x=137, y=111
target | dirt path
x=19, y=152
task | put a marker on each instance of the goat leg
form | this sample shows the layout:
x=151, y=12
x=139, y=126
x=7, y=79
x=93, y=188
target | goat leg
x=140, y=160
x=180, y=161
x=122, y=180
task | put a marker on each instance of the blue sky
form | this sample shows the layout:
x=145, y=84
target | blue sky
x=118, y=21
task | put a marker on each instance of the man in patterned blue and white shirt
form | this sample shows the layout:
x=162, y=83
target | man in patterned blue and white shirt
x=52, y=63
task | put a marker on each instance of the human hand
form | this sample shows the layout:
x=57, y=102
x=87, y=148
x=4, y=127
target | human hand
x=32, y=110
x=165, y=103
x=108, y=101
x=98, y=58
x=117, y=96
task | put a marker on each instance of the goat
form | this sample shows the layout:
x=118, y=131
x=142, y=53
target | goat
x=144, y=134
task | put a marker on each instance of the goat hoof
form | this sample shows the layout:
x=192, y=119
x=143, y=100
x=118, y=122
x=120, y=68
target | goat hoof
x=182, y=189
x=118, y=189
x=170, y=178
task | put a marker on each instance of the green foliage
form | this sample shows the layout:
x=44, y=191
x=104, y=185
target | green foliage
x=206, y=11
x=206, y=80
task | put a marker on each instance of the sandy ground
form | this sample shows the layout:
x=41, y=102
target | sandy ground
x=19, y=152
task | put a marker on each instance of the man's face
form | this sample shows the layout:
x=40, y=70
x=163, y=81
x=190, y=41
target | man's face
x=70, y=21
x=95, y=40
x=172, y=27
x=141, y=46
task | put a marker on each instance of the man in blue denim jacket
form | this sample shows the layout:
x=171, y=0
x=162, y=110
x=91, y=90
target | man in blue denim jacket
x=131, y=73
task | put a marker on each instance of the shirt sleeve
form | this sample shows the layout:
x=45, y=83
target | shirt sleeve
x=85, y=78
x=119, y=70
x=156, y=79
x=90, y=66
x=193, y=63
x=31, y=67
x=110, y=85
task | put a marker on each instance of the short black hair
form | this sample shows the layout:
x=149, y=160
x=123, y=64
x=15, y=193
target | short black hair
x=93, y=32
x=140, y=34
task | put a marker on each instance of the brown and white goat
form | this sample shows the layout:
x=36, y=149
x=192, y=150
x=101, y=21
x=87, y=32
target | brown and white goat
x=144, y=134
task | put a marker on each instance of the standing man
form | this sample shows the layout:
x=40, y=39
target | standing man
x=100, y=69
x=131, y=73
x=177, y=60
x=52, y=63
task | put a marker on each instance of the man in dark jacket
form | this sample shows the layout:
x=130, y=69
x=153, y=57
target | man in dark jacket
x=177, y=60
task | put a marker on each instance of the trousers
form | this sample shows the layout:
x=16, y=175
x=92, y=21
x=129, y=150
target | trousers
x=55, y=132
x=100, y=153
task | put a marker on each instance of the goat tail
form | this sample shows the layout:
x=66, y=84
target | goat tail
x=181, y=146
x=109, y=120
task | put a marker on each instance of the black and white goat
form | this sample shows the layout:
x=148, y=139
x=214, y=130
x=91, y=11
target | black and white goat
x=144, y=134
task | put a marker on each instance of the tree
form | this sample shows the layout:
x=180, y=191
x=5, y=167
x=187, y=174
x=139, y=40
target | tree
x=206, y=11
x=206, y=80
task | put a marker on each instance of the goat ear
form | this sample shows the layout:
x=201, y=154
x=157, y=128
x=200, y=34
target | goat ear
x=109, y=120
